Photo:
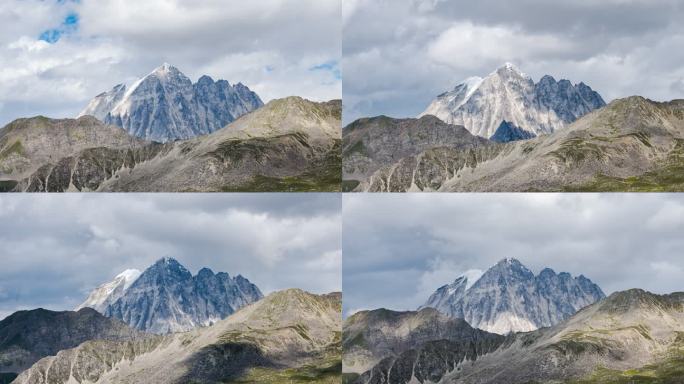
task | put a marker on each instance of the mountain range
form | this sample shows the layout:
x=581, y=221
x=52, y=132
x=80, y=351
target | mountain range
x=632, y=144
x=167, y=298
x=481, y=105
x=165, y=105
x=508, y=297
x=631, y=336
x=290, y=336
x=289, y=144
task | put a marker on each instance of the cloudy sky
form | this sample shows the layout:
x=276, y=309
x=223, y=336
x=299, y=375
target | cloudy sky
x=399, y=54
x=56, y=248
x=55, y=55
x=399, y=248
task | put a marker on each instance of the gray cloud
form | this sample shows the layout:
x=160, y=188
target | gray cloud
x=56, y=248
x=398, y=55
x=269, y=45
x=399, y=248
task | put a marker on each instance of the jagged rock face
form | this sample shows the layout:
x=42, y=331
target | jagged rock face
x=165, y=105
x=507, y=94
x=623, y=338
x=633, y=144
x=290, y=144
x=27, y=336
x=384, y=346
x=166, y=297
x=509, y=132
x=372, y=143
x=510, y=298
x=285, y=335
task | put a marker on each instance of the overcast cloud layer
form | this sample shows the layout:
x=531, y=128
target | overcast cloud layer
x=56, y=248
x=55, y=55
x=399, y=54
x=399, y=248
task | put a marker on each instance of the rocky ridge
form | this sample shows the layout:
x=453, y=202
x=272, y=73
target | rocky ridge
x=27, y=336
x=383, y=346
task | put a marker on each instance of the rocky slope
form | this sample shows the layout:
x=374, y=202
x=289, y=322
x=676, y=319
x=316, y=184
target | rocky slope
x=383, y=346
x=27, y=336
x=376, y=143
x=633, y=144
x=165, y=105
x=290, y=336
x=630, y=337
x=510, y=298
x=507, y=94
x=290, y=144
x=166, y=297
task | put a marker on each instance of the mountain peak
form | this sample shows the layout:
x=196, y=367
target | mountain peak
x=509, y=69
x=510, y=260
x=508, y=297
x=510, y=95
x=167, y=267
x=164, y=68
x=167, y=260
x=182, y=110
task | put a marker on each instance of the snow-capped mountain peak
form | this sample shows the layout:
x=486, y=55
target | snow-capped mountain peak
x=510, y=69
x=166, y=297
x=509, y=297
x=509, y=95
x=109, y=292
x=165, y=105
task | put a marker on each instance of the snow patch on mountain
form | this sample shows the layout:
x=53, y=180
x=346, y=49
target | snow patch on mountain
x=109, y=292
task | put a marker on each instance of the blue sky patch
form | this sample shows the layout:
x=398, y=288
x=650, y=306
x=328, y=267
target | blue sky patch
x=69, y=24
x=330, y=66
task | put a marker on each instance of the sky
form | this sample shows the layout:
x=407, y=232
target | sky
x=57, y=248
x=399, y=54
x=399, y=248
x=56, y=55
